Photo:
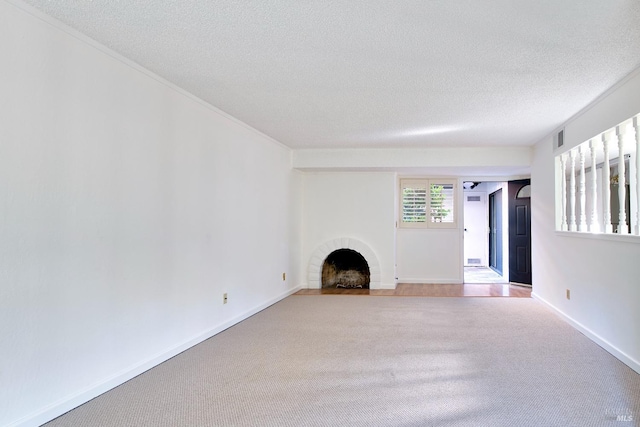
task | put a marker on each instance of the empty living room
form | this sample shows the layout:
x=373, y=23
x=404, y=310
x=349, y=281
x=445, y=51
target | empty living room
x=319, y=213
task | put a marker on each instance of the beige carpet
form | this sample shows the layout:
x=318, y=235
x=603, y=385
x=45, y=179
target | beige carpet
x=337, y=360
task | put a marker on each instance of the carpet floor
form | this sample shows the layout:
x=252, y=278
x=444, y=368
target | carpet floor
x=338, y=360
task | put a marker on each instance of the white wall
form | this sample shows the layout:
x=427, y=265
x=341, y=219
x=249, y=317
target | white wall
x=429, y=255
x=127, y=208
x=602, y=272
x=357, y=205
x=363, y=205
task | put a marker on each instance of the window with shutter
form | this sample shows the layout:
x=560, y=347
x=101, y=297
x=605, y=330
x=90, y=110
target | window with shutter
x=441, y=202
x=414, y=202
x=427, y=203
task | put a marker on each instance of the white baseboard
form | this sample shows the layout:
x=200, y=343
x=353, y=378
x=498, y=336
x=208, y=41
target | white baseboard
x=67, y=403
x=431, y=281
x=616, y=352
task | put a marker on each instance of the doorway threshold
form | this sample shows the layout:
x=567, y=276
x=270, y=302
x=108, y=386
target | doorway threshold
x=481, y=275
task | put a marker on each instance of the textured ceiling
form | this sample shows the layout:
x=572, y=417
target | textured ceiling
x=377, y=73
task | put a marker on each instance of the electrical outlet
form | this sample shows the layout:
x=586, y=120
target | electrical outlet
x=224, y=298
x=568, y=294
x=284, y=276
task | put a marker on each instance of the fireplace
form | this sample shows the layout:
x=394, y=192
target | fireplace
x=318, y=257
x=345, y=268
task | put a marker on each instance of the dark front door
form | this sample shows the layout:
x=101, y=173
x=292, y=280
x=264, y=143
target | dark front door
x=520, y=231
x=495, y=231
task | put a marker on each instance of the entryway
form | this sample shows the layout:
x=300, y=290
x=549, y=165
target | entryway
x=497, y=224
x=482, y=275
x=485, y=220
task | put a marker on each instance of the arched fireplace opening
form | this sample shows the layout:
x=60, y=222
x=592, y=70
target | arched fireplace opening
x=345, y=268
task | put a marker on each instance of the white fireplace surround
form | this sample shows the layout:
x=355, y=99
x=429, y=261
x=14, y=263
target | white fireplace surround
x=324, y=250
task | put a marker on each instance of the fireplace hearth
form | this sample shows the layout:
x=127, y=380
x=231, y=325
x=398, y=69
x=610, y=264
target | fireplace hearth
x=345, y=268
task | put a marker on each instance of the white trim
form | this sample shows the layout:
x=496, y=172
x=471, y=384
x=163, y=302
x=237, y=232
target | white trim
x=505, y=178
x=413, y=280
x=74, y=400
x=616, y=352
x=324, y=250
x=626, y=238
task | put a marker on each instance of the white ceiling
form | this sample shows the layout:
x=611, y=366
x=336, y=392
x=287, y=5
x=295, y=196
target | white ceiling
x=377, y=73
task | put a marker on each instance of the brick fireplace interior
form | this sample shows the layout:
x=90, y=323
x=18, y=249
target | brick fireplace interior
x=345, y=268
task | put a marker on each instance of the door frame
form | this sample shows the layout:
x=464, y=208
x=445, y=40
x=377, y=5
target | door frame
x=519, y=234
x=491, y=185
x=496, y=214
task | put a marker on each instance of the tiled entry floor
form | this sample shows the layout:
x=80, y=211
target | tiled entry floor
x=482, y=275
